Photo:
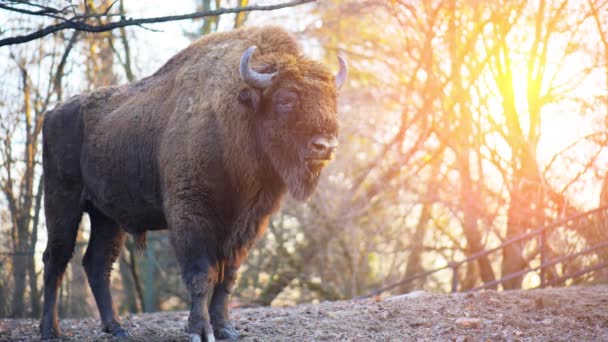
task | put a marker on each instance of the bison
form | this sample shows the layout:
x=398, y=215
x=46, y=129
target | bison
x=206, y=147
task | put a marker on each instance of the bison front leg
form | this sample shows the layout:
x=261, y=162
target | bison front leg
x=199, y=276
x=218, y=308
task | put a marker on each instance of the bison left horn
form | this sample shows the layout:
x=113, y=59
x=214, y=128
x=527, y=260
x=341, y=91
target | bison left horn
x=342, y=73
x=251, y=77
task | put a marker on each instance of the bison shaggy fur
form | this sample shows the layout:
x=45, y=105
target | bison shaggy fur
x=201, y=148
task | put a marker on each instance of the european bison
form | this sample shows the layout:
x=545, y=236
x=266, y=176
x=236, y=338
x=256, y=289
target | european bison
x=206, y=147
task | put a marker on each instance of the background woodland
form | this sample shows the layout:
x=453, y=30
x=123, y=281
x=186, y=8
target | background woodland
x=463, y=124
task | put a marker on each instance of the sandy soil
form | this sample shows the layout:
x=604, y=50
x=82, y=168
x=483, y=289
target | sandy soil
x=563, y=314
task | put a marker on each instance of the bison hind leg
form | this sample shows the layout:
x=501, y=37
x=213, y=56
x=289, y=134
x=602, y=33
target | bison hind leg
x=63, y=213
x=104, y=247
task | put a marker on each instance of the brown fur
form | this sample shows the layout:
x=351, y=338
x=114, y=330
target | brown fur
x=181, y=150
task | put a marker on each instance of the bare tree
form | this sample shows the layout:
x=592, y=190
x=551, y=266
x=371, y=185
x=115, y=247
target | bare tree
x=68, y=19
x=20, y=180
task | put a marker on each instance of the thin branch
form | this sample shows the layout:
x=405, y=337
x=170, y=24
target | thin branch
x=44, y=9
x=109, y=7
x=82, y=26
x=28, y=12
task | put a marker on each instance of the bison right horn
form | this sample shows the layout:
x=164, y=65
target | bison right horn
x=342, y=73
x=252, y=77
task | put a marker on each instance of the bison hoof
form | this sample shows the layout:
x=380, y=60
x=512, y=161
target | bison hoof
x=121, y=333
x=197, y=338
x=226, y=332
x=51, y=334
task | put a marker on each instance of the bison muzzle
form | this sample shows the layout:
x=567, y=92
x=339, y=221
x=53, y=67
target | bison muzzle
x=206, y=147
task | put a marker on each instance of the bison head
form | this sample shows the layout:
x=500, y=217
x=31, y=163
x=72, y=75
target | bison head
x=294, y=100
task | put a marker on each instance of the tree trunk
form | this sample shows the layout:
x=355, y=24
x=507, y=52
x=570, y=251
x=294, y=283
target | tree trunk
x=150, y=285
x=33, y=276
x=513, y=260
x=471, y=203
x=18, y=307
x=414, y=260
x=130, y=291
x=414, y=265
x=79, y=293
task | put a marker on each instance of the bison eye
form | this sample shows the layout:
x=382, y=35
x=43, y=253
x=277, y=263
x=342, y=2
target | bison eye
x=285, y=101
x=285, y=105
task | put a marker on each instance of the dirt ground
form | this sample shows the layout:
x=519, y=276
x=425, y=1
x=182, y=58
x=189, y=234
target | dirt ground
x=561, y=314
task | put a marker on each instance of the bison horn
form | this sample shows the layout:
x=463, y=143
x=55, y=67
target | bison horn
x=251, y=77
x=341, y=76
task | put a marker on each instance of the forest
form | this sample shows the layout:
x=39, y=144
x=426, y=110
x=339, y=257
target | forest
x=463, y=125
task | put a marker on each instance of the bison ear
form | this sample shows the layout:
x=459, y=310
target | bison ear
x=251, y=98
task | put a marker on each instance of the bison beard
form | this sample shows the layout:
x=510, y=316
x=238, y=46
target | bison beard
x=302, y=181
x=205, y=147
x=299, y=176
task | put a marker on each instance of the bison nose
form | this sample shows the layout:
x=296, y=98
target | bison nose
x=323, y=146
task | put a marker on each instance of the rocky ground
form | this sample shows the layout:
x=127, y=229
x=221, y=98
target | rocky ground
x=560, y=314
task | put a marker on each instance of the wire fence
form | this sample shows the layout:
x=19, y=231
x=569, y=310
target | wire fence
x=596, y=215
